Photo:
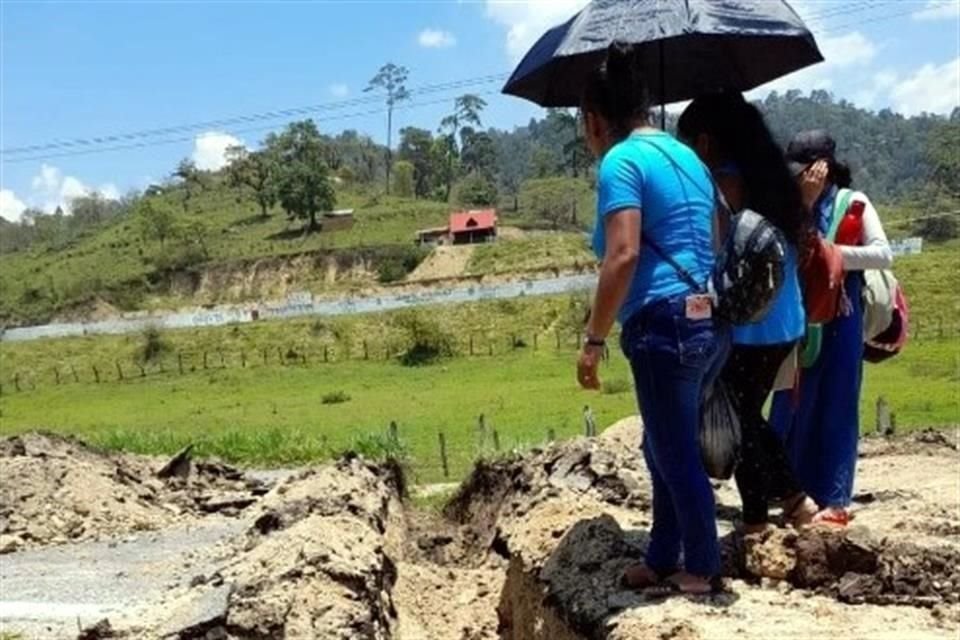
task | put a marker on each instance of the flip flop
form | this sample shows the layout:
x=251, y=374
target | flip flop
x=660, y=577
x=668, y=588
x=835, y=517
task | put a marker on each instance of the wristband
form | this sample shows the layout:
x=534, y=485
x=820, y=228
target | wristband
x=594, y=342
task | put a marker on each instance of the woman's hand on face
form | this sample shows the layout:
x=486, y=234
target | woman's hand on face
x=812, y=182
x=588, y=366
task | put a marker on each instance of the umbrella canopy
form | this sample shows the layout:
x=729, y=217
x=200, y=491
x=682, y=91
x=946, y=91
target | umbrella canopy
x=686, y=47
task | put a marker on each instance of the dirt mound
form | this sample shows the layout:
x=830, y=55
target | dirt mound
x=442, y=263
x=57, y=490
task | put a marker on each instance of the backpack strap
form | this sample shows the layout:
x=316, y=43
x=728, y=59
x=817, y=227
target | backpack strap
x=840, y=205
x=719, y=203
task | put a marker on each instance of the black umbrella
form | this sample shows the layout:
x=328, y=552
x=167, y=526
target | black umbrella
x=686, y=47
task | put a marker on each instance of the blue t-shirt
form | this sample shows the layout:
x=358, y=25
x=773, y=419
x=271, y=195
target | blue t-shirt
x=676, y=205
x=786, y=320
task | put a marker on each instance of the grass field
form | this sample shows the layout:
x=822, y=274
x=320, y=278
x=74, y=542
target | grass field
x=275, y=415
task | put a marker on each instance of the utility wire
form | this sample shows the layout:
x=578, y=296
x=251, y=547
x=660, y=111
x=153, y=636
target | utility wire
x=154, y=143
x=246, y=119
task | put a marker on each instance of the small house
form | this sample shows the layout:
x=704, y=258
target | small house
x=466, y=227
x=474, y=226
x=340, y=220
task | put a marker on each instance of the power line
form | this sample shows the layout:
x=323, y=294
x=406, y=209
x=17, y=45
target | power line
x=153, y=143
x=245, y=119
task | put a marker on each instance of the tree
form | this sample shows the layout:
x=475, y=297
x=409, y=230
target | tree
x=391, y=79
x=257, y=171
x=943, y=156
x=417, y=148
x=478, y=154
x=551, y=199
x=303, y=186
x=466, y=111
x=157, y=221
x=403, y=184
x=575, y=154
x=188, y=173
x=476, y=190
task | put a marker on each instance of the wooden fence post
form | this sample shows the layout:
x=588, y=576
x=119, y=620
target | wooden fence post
x=280, y=355
x=180, y=362
x=481, y=432
x=394, y=432
x=243, y=359
x=96, y=373
x=143, y=372
x=496, y=441
x=303, y=357
x=326, y=353
x=119, y=370
x=223, y=364
x=204, y=358
x=551, y=435
x=73, y=370
x=443, y=455
x=558, y=339
x=535, y=341
x=491, y=348
x=883, y=416
x=264, y=357
x=940, y=327
x=471, y=344
x=589, y=423
x=56, y=374
x=16, y=381
x=163, y=369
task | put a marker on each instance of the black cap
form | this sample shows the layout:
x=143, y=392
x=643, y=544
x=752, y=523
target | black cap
x=807, y=147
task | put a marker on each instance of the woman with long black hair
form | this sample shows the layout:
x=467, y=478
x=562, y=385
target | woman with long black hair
x=655, y=209
x=731, y=137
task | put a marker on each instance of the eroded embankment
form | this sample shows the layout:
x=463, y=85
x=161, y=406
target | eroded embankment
x=532, y=546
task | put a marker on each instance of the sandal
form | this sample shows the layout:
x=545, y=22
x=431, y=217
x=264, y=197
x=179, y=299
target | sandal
x=668, y=588
x=801, y=511
x=835, y=516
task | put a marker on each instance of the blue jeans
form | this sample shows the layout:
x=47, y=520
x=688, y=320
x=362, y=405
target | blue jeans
x=821, y=430
x=672, y=359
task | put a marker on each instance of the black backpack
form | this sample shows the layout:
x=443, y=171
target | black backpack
x=749, y=267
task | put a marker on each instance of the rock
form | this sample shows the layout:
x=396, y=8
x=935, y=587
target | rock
x=225, y=501
x=98, y=631
x=771, y=554
x=194, y=615
x=179, y=465
x=9, y=543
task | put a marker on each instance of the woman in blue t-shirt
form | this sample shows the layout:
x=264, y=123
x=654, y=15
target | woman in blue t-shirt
x=730, y=136
x=655, y=206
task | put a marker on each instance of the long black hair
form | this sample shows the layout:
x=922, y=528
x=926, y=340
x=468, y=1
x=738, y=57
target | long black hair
x=738, y=128
x=617, y=91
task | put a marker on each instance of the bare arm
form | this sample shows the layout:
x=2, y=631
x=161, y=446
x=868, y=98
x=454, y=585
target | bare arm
x=616, y=272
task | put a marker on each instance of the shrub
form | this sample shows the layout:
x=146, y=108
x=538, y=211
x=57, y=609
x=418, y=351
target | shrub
x=398, y=264
x=154, y=346
x=378, y=447
x=616, y=386
x=937, y=229
x=336, y=397
x=403, y=185
x=424, y=340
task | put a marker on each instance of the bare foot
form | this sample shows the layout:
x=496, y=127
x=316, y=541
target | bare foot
x=835, y=516
x=640, y=576
x=800, y=510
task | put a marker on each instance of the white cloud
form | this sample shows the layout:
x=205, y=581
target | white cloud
x=50, y=189
x=436, y=39
x=209, y=150
x=10, y=205
x=939, y=10
x=931, y=89
x=527, y=21
x=339, y=90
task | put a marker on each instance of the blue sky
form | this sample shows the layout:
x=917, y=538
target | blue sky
x=74, y=70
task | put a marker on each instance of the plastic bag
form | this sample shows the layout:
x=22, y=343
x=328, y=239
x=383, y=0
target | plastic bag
x=719, y=432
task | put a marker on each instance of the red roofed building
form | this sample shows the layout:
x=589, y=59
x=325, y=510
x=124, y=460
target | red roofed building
x=476, y=225
x=466, y=227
